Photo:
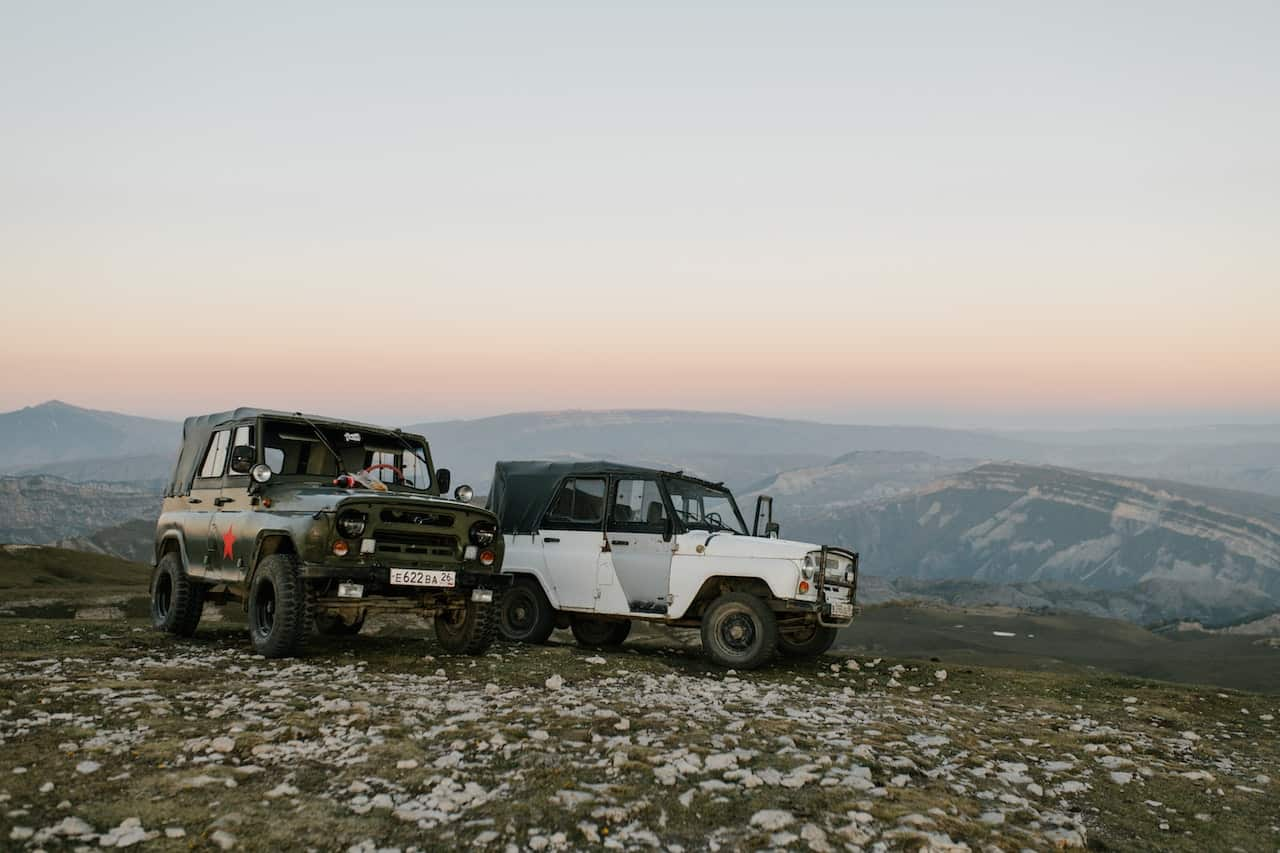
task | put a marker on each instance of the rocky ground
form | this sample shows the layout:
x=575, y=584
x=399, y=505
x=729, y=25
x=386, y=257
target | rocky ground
x=113, y=736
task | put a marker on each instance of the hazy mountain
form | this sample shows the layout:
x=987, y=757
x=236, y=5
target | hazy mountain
x=40, y=509
x=857, y=477
x=56, y=432
x=1180, y=546
x=688, y=440
x=152, y=469
x=133, y=540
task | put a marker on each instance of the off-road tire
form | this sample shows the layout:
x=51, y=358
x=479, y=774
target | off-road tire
x=599, y=633
x=525, y=614
x=176, y=600
x=739, y=631
x=279, y=608
x=807, y=642
x=467, y=632
x=333, y=625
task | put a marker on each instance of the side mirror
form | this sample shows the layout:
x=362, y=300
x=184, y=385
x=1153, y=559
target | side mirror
x=764, y=516
x=773, y=530
x=444, y=478
x=242, y=459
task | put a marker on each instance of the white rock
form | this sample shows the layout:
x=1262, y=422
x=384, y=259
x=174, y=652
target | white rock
x=222, y=744
x=1121, y=778
x=596, y=659
x=406, y=764
x=284, y=789
x=21, y=833
x=554, y=682
x=771, y=820
x=87, y=767
x=940, y=674
x=223, y=839
x=175, y=832
x=992, y=818
x=46, y=787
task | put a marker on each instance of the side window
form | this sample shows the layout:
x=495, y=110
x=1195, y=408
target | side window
x=638, y=505
x=579, y=503
x=243, y=438
x=215, y=461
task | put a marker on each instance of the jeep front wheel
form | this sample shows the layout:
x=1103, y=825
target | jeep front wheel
x=176, y=600
x=599, y=633
x=808, y=641
x=525, y=614
x=466, y=630
x=278, y=608
x=740, y=631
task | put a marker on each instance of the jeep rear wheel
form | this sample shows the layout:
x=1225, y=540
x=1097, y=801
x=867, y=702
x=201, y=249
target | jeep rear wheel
x=740, y=631
x=807, y=641
x=467, y=630
x=278, y=612
x=176, y=600
x=599, y=633
x=334, y=625
x=525, y=614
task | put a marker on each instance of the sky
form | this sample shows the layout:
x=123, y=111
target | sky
x=991, y=214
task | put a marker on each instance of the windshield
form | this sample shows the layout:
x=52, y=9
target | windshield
x=294, y=450
x=705, y=507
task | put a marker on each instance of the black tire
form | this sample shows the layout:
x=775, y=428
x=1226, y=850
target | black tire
x=808, y=641
x=599, y=633
x=739, y=631
x=525, y=614
x=278, y=608
x=333, y=625
x=469, y=631
x=176, y=600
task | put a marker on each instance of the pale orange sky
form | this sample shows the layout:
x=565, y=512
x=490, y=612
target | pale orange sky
x=978, y=217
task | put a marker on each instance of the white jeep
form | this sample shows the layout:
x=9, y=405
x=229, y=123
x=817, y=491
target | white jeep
x=596, y=545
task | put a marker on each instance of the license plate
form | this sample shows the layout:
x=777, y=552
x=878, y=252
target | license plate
x=350, y=590
x=420, y=577
x=841, y=611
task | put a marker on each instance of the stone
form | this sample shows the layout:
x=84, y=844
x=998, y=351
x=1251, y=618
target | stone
x=772, y=820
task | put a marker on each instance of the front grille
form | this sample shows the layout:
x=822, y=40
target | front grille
x=416, y=544
x=422, y=519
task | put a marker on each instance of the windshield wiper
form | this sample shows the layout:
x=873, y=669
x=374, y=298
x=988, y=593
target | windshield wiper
x=337, y=458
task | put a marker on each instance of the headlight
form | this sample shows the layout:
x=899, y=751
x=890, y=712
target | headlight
x=351, y=523
x=483, y=533
x=464, y=494
x=260, y=473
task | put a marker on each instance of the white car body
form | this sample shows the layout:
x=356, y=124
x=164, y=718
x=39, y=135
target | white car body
x=659, y=575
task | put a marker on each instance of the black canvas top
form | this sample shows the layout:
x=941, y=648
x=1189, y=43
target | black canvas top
x=197, y=430
x=521, y=491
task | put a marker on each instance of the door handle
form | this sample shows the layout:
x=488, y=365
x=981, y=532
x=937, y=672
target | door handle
x=550, y=539
x=194, y=501
x=221, y=501
x=619, y=542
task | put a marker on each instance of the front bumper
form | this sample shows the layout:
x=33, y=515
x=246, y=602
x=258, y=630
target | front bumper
x=377, y=579
x=837, y=602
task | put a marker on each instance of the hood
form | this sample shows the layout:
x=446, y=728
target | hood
x=756, y=547
x=313, y=499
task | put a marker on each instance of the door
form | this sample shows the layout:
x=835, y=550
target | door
x=202, y=503
x=229, y=540
x=640, y=544
x=572, y=533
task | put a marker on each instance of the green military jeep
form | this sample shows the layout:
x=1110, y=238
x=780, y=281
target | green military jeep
x=314, y=522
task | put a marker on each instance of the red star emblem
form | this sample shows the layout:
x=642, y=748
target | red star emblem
x=228, y=539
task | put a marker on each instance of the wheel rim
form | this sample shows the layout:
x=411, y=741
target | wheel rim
x=264, y=609
x=737, y=631
x=162, y=598
x=520, y=612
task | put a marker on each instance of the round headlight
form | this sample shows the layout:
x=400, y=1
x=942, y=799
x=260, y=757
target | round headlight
x=483, y=533
x=351, y=523
x=464, y=494
x=260, y=473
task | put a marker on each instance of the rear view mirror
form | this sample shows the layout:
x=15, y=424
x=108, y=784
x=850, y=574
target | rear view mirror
x=764, y=517
x=444, y=478
x=242, y=459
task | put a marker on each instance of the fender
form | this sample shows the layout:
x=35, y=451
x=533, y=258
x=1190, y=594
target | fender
x=689, y=575
x=540, y=576
x=256, y=558
x=172, y=535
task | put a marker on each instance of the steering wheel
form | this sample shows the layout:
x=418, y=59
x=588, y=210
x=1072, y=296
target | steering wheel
x=714, y=518
x=380, y=466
